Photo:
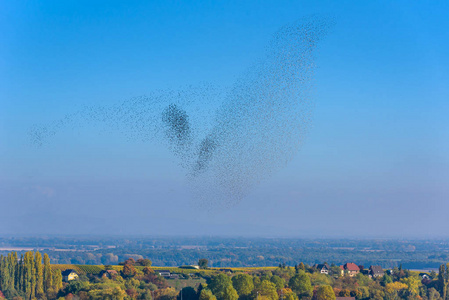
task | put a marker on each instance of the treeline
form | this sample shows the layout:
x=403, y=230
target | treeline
x=252, y=257
x=28, y=277
x=248, y=252
x=139, y=242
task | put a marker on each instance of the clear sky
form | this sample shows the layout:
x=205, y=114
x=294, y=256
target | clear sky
x=375, y=163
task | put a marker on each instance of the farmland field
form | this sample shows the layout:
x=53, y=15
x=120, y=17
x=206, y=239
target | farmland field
x=96, y=269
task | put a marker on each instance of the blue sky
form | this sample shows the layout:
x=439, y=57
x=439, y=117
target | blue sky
x=375, y=163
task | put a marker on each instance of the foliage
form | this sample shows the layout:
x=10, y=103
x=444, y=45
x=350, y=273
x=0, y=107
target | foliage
x=243, y=284
x=320, y=279
x=202, y=263
x=221, y=287
x=144, y=262
x=27, y=278
x=325, y=292
x=395, y=287
x=74, y=286
x=287, y=294
x=300, y=284
x=413, y=284
x=165, y=294
x=109, y=293
x=278, y=282
x=267, y=290
x=433, y=294
x=187, y=293
x=206, y=294
x=128, y=270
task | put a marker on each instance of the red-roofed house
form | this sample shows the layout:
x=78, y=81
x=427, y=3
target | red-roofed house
x=350, y=268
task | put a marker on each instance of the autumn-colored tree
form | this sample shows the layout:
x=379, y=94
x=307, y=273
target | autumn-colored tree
x=33, y=283
x=267, y=290
x=110, y=293
x=155, y=279
x=412, y=285
x=29, y=275
x=4, y=274
x=432, y=294
x=317, y=279
x=13, y=262
x=39, y=275
x=287, y=294
x=19, y=284
x=206, y=294
x=8, y=273
x=344, y=293
x=132, y=293
x=364, y=292
x=57, y=280
x=325, y=292
x=165, y=294
x=395, y=287
x=128, y=270
x=48, y=282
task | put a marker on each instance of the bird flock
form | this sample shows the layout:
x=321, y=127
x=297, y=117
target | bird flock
x=228, y=140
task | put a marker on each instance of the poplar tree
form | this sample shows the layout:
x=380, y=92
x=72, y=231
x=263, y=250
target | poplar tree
x=28, y=275
x=33, y=282
x=12, y=269
x=446, y=279
x=3, y=274
x=48, y=282
x=39, y=274
x=17, y=276
x=442, y=281
x=7, y=273
x=57, y=280
x=20, y=275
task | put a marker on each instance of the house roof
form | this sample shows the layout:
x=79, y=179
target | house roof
x=425, y=275
x=376, y=269
x=351, y=267
x=110, y=272
x=163, y=271
x=322, y=266
x=68, y=272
